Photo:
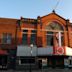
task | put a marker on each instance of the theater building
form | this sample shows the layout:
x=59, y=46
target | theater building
x=36, y=43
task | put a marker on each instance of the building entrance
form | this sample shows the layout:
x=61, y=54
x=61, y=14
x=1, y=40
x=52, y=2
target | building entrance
x=56, y=61
x=3, y=61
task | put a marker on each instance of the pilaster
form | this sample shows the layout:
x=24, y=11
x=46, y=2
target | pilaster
x=39, y=32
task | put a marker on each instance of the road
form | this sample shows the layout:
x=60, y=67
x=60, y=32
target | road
x=46, y=70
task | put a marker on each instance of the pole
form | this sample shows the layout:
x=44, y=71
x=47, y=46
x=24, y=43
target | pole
x=31, y=46
x=30, y=60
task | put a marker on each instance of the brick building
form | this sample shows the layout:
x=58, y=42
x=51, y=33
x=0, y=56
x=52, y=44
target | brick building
x=45, y=41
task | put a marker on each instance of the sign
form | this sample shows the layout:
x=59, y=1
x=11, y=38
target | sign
x=44, y=62
x=58, y=36
x=59, y=50
x=68, y=51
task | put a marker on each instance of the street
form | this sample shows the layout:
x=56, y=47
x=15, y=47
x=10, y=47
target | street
x=44, y=70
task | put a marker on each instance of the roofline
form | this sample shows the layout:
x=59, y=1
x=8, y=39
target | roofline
x=28, y=18
x=9, y=18
x=55, y=14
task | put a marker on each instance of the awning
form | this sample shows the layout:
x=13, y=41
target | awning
x=45, y=51
x=3, y=52
x=26, y=51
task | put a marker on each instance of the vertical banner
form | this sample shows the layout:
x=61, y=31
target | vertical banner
x=59, y=49
x=59, y=38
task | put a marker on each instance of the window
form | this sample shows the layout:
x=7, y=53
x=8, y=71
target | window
x=59, y=39
x=70, y=62
x=53, y=29
x=25, y=31
x=62, y=39
x=24, y=37
x=6, y=38
x=49, y=38
x=27, y=60
x=33, y=37
x=9, y=37
x=54, y=26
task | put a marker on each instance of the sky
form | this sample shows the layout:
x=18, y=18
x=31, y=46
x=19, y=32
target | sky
x=34, y=8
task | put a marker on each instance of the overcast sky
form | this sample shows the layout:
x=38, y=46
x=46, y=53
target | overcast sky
x=34, y=8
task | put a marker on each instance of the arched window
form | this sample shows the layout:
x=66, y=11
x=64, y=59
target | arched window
x=54, y=26
x=54, y=29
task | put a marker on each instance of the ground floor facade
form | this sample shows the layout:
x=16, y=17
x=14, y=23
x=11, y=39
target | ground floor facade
x=7, y=59
x=38, y=58
x=37, y=62
x=43, y=62
x=24, y=57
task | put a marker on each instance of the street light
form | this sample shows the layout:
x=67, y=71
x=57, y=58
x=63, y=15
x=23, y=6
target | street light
x=31, y=46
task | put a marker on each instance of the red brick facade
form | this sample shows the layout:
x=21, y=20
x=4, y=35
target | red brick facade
x=39, y=24
x=42, y=22
x=15, y=27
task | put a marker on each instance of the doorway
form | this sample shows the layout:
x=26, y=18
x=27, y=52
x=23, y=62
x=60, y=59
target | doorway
x=3, y=61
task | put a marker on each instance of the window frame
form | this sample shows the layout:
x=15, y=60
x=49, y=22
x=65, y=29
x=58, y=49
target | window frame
x=55, y=27
x=27, y=61
x=33, y=37
x=6, y=38
x=25, y=32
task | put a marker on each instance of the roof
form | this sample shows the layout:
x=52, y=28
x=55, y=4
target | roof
x=54, y=14
x=29, y=20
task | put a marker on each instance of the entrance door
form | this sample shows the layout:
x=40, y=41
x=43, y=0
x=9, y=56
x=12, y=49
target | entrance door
x=3, y=61
x=40, y=64
x=56, y=61
x=59, y=61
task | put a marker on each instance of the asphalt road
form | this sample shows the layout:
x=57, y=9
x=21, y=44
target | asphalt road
x=45, y=70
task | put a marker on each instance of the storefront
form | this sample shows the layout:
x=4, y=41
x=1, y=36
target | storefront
x=26, y=58
x=50, y=59
x=68, y=59
x=3, y=59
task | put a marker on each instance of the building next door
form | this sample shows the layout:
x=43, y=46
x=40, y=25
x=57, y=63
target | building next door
x=3, y=59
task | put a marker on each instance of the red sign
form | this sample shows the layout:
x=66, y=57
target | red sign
x=59, y=50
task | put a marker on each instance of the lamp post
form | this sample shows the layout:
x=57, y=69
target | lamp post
x=31, y=46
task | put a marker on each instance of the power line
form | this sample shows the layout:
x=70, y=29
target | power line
x=56, y=5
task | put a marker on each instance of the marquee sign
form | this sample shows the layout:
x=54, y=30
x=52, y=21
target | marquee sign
x=68, y=51
x=59, y=51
